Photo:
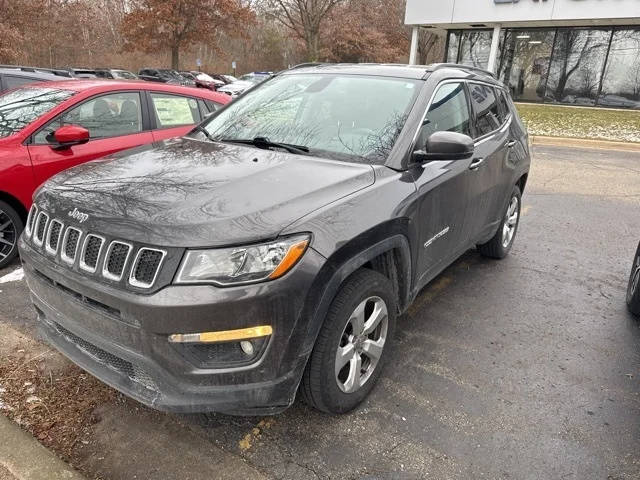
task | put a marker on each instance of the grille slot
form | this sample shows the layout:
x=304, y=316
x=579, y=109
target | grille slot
x=31, y=219
x=53, y=237
x=91, y=252
x=145, y=267
x=41, y=228
x=116, y=260
x=70, y=244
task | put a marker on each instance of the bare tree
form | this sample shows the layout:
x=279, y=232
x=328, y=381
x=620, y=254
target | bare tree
x=304, y=18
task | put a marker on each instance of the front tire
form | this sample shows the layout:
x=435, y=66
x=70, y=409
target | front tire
x=10, y=229
x=353, y=343
x=633, y=289
x=500, y=245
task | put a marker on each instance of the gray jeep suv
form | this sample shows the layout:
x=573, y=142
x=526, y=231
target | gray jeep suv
x=271, y=250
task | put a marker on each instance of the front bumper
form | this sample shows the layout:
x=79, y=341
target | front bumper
x=121, y=337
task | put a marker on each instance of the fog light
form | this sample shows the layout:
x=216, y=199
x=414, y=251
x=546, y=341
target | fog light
x=247, y=347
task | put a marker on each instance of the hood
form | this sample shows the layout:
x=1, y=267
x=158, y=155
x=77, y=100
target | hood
x=189, y=193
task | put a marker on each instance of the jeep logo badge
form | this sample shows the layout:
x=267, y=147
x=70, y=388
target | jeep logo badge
x=78, y=215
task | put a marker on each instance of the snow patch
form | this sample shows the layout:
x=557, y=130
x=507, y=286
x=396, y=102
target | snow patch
x=15, y=276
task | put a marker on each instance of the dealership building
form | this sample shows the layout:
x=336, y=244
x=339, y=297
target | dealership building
x=574, y=52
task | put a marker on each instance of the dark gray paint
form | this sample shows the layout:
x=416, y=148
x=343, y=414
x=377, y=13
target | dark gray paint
x=187, y=193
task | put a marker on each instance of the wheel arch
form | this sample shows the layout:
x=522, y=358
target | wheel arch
x=385, y=249
x=15, y=204
x=522, y=182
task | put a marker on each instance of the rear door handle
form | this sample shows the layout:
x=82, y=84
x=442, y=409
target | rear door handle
x=511, y=144
x=476, y=163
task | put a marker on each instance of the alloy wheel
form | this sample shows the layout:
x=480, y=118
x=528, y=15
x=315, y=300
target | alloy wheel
x=361, y=344
x=8, y=235
x=510, y=221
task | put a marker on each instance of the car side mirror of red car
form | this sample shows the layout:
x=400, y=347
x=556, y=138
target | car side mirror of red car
x=70, y=135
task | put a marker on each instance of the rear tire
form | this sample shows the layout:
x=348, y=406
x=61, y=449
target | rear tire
x=10, y=229
x=500, y=245
x=633, y=289
x=353, y=343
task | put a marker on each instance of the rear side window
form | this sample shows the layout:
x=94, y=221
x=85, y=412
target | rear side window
x=503, y=103
x=485, y=106
x=14, y=82
x=449, y=111
x=175, y=110
x=106, y=116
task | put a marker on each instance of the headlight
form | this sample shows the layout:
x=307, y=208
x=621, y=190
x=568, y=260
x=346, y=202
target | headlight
x=236, y=265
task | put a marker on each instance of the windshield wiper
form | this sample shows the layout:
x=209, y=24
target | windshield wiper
x=265, y=143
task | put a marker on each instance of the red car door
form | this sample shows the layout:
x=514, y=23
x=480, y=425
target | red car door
x=114, y=121
x=175, y=114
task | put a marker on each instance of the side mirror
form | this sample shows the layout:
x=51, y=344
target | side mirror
x=70, y=135
x=445, y=146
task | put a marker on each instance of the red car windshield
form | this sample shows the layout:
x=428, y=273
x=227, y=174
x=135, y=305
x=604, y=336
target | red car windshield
x=18, y=108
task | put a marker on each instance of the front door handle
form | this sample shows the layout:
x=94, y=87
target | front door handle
x=476, y=163
x=511, y=144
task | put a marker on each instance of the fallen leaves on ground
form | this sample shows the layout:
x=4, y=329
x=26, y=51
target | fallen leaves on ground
x=56, y=407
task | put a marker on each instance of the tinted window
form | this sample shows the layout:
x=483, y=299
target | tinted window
x=503, y=103
x=486, y=108
x=15, y=82
x=105, y=116
x=21, y=107
x=449, y=111
x=175, y=110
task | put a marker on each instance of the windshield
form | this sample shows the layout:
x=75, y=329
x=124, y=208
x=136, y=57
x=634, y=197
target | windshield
x=170, y=74
x=345, y=117
x=18, y=108
x=124, y=74
x=250, y=77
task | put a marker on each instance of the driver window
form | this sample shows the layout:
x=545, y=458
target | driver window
x=106, y=116
x=449, y=111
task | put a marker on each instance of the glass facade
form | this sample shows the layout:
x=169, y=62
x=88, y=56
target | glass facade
x=574, y=66
x=621, y=81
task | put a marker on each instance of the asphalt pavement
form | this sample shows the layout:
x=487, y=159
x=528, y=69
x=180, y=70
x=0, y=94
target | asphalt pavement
x=526, y=368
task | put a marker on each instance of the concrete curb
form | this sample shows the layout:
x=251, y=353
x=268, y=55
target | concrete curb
x=26, y=459
x=585, y=143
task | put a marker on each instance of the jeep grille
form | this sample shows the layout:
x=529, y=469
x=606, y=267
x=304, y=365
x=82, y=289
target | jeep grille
x=84, y=251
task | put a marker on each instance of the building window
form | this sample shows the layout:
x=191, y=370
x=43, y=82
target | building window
x=621, y=82
x=469, y=47
x=577, y=65
x=475, y=47
x=453, y=46
x=524, y=64
x=574, y=66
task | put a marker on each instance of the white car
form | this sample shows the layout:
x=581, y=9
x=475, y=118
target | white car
x=244, y=83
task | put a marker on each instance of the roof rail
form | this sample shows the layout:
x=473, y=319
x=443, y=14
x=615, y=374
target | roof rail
x=308, y=64
x=438, y=66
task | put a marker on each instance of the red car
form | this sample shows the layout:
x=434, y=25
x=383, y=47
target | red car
x=48, y=127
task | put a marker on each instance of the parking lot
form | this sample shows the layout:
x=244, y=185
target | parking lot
x=525, y=368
